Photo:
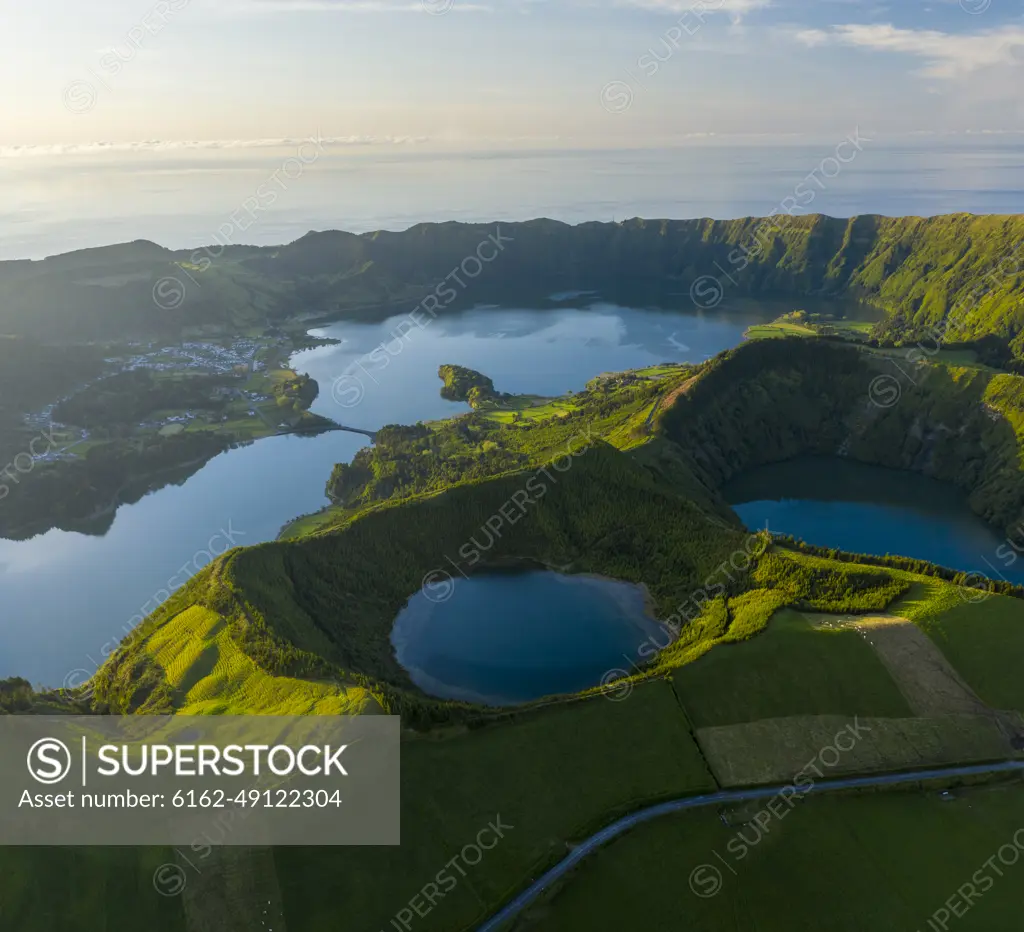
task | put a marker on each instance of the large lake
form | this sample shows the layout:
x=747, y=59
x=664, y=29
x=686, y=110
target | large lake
x=66, y=598
x=507, y=638
x=840, y=503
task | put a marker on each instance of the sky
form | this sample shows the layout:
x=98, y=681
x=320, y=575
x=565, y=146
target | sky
x=217, y=74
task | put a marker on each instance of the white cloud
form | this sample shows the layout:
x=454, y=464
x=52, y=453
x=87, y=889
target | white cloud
x=946, y=55
x=436, y=7
x=736, y=9
x=158, y=145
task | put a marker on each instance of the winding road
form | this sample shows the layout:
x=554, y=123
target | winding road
x=624, y=824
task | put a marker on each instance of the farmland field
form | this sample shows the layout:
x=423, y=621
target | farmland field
x=550, y=775
x=85, y=890
x=775, y=750
x=984, y=641
x=554, y=775
x=851, y=864
x=792, y=668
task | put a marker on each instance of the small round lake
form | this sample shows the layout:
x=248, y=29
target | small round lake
x=833, y=502
x=511, y=637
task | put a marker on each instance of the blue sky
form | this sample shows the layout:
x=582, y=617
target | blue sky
x=480, y=73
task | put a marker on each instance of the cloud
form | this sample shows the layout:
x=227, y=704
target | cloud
x=158, y=145
x=736, y=9
x=946, y=55
x=435, y=7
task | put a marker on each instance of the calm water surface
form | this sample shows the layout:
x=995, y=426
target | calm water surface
x=836, y=502
x=180, y=199
x=507, y=638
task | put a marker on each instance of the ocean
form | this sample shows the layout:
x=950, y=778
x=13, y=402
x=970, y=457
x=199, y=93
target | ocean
x=189, y=195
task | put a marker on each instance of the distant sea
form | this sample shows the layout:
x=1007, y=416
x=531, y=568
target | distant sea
x=181, y=197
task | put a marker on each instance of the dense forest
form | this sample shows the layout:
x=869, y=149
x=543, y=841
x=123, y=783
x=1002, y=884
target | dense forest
x=32, y=375
x=418, y=459
x=462, y=384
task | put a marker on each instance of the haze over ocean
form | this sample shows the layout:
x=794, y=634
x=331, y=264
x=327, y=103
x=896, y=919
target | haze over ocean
x=179, y=196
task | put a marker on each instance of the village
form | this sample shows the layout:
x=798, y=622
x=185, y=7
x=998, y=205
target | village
x=240, y=403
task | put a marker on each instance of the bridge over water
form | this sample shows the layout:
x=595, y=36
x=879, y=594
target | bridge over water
x=327, y=430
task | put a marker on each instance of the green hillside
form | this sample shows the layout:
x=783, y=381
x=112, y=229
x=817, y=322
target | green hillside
x=953, y=278
x=280, y=601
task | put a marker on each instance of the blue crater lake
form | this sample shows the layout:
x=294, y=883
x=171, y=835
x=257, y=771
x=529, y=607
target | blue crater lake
x=511, y=637
x=834, y=502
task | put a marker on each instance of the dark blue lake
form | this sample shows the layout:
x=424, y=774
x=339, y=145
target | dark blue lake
x=510, y=637
x=833, y=502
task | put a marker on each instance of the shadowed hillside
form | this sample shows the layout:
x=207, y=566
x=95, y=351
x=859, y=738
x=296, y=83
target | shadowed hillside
x=776, y=399
x=957, y=276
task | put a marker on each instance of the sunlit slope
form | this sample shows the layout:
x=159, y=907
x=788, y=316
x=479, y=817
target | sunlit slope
x=209, y=674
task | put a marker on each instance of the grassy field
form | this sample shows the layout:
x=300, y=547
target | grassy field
x=774, y=750
x=791, y=669
x=210, y=675
x=85, y=890
x=800, y=324
x=774, y=331
x=620, y=429
x=966, y=358
x=851, y=864
x=308, y=524
x=554, y=776
x=855, y=327
x=764, y=707
x=984, y=640
x=528, y=407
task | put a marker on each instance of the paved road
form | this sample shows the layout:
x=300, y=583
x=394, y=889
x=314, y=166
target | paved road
x=711, y=799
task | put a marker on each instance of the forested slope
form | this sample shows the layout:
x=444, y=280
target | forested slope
x=776, y=399
x=956, y=277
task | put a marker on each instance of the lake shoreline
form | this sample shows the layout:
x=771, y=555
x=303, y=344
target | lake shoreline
x=550, y=632
x=859, y=507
